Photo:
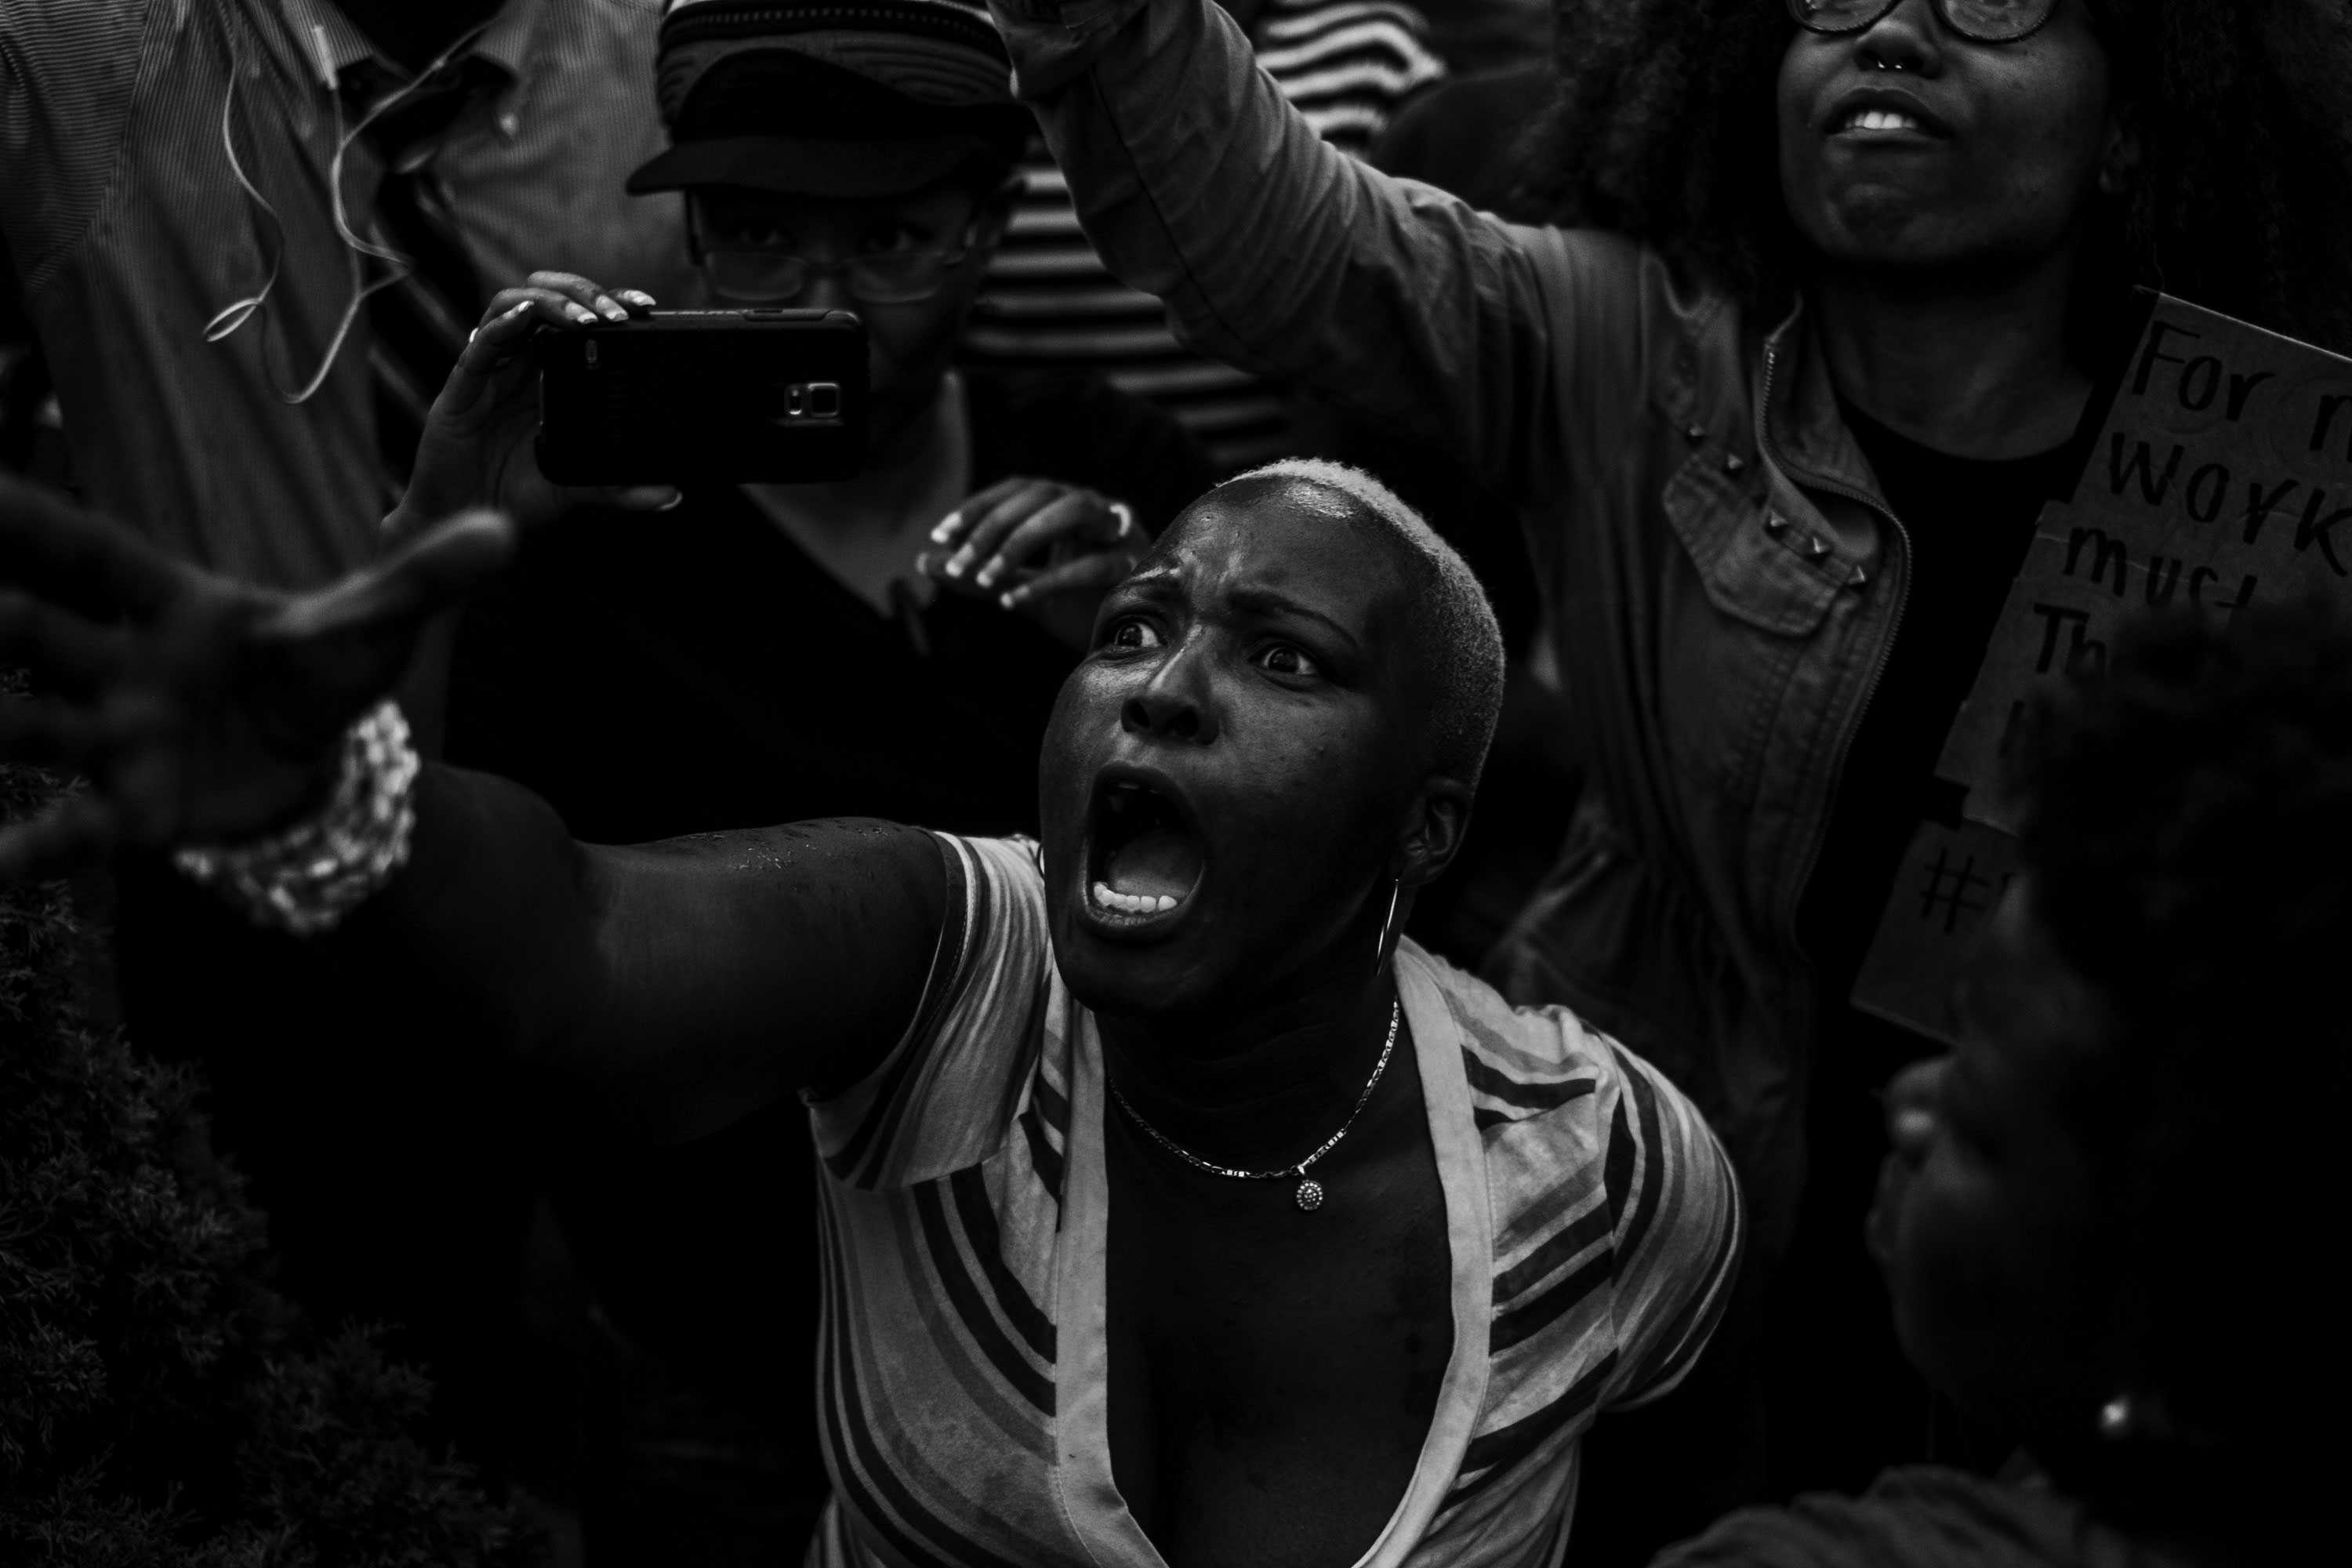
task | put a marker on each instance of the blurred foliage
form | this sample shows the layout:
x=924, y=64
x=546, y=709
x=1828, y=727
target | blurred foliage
x=160, y=1405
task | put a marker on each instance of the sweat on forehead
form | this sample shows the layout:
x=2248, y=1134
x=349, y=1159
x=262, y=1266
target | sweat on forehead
x=1449, y=622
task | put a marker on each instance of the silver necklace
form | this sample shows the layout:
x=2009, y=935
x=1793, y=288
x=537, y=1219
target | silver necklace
x=1309, y=1195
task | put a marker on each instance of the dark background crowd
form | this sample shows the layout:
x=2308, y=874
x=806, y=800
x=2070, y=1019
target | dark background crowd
x=245, y=242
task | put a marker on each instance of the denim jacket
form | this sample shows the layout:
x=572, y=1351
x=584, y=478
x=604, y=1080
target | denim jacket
x=1719, y=580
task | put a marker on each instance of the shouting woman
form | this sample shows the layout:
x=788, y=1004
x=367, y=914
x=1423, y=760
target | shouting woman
x=1779, y=392
x=1174, y=1209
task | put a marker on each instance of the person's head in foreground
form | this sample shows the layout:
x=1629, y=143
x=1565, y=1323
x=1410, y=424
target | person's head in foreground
x=1959, y=145
x=850, y=155
x=2108, y=1227
x=1273, y=743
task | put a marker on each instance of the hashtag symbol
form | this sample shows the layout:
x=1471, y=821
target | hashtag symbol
x=1955, y=890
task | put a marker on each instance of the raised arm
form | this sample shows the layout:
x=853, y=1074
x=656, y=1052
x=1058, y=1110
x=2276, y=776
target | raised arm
x=684, y=984
x=1199, y=184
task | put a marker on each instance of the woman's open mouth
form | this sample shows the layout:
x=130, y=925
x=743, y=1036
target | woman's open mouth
x=1144, y=859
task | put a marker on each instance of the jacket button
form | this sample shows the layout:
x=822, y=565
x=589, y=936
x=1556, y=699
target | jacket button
x=1694, y=434
x=1814, y=547
x=1734, y=463
x=1775, y=524
x=1858, y=579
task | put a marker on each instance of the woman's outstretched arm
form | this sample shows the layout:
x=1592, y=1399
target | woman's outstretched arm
x=684, y=984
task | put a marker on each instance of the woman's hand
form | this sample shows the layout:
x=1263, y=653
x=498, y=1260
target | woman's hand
x=477, y=449
x=201, y=709
x=1047, y=549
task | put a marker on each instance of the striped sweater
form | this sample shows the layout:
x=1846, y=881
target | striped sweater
x=1348, y=65
x=1592, y=1223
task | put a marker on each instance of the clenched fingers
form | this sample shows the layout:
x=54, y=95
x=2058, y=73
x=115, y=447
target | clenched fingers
x=548, y=299
x=568, y=297
x=980, y=524
x=1096, y=574
x=1080, y=518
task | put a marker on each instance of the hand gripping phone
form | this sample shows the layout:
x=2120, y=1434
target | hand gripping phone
x=676, y=398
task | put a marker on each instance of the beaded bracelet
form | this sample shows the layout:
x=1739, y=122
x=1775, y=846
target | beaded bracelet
x=307, y=877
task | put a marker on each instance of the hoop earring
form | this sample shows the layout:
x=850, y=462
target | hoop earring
x=1380, y=943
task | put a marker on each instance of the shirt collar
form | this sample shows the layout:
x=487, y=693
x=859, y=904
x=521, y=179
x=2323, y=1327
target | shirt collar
x=329, y=41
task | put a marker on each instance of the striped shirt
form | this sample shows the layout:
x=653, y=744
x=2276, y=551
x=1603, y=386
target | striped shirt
x=125, y=217
x=1348, y=65
x=1592, y=1223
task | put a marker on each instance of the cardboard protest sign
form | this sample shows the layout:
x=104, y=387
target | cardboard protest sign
x=2221, y=477
x=1951, y=881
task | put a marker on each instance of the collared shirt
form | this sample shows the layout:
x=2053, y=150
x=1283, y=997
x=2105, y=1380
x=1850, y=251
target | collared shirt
x=1592, y=1228
x=166, y=158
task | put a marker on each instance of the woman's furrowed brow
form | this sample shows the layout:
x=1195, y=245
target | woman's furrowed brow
x=1163, y=581
x=1266, y=602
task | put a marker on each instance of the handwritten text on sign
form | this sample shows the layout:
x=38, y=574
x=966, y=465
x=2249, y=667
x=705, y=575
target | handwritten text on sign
x=2222, y=475
x=1951, y=881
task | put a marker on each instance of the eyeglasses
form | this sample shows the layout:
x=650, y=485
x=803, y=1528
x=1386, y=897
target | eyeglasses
x=885, y=277
x=1979, y=21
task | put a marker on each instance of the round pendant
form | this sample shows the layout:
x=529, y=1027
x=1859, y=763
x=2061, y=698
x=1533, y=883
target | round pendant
x=1310, y=1195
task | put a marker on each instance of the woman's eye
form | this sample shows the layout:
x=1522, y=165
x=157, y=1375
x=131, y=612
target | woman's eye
x=1283, y=659
x=1131, y=633
x=891, y=237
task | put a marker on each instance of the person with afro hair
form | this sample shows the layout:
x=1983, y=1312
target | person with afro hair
x=1803, y=322
x=2151, y=1068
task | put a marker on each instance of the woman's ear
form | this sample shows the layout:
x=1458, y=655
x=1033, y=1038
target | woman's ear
x=1432, y=834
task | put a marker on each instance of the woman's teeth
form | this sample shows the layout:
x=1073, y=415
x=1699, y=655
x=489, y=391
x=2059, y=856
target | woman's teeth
x=1112, y=897
x=1881, y=119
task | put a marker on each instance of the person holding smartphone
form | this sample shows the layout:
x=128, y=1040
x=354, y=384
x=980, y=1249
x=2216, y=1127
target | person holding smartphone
x=879, y=188
x=779, y=652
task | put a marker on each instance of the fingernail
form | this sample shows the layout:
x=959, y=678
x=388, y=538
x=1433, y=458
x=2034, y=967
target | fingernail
x=580, y=314
x=956, y=563
x=610, y=308
x=637, y=297
x=1913, y=1124
x=989, y=574
x=672, y=504
x=516, y=311
x=948, y=525
x=472, y=335
x=1009, y=601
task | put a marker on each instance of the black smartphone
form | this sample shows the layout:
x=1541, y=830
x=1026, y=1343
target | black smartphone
x=703, y=396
